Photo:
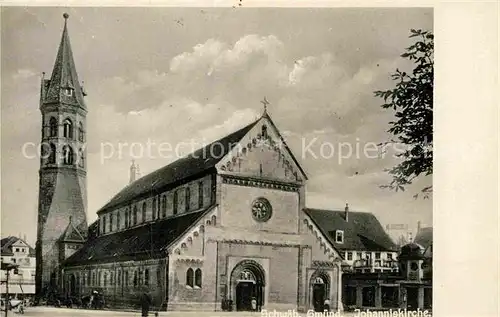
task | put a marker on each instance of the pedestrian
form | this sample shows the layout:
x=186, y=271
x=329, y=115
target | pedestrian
x=146, y=301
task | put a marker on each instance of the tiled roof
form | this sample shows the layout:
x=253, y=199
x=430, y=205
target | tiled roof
x=198, y=162
x=149, y=239
x=424, y=237
x=64, y=75
x=362, y=231
x=9, y=241
x=71, y=233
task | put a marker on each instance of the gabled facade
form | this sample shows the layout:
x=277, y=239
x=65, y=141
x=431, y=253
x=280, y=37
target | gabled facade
x=216, y=228
x=17, y=251
x=359, y=238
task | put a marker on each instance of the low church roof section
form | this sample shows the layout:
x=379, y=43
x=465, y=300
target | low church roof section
x=196, y=163
x=362, y=230
x=146, y=241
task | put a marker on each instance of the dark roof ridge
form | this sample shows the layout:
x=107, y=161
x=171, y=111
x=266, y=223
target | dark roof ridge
x=340, y=210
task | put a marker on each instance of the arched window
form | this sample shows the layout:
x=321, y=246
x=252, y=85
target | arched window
x=190, y=277
x=146, y=277
x=264, y=131
x=118, y=219
x=175, y=203
x=135, y=215
x=81, y=132
x=89, y=281
x=125, y=278
x=52, y=154
x=105, y=282
x=93, y=278
x=110, y=222
x=144, y=212
x=188, y=198
x=158, y=276
x=53, y=127
x=154, y=208
x=140, y=277
x=81, y=158
x=119, y=277
x=200, y=195
x=197, y=278
x=213, y=220
x=164, y=206
x=99, y=276
x=135, y=278
x=126, y=218
x=68, y=155
x=68, y=129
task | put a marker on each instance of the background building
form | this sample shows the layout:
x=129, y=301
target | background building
x=17, y=251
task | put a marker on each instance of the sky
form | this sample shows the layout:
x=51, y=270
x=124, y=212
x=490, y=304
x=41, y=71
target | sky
x=192, y=75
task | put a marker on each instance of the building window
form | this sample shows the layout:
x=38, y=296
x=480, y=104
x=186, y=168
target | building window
x=118, y=219
x=105, y=282
x=164, y=206
x=389, y=256
x=190, y=277
x=158, y=276
x=197, y=278
x=68, y=155
x=349, y=256
x=146, y=277
x=81, y=132
x=359, y=255
x=154, y=208
x=83, y=279
x=68, y=129
x=377, y=255
x=144, y=211
x=264, y=131
x=110, y=222
x=188, y=198
x=339, y=236
x=174, y=203
x=52, y=154
x=119, y=278
x=135, y=279
x=135, y=215
x=200, y=195
x=93, y=278
x=53, y=127
x=17, y=249
x=68, y=92
x=104, y=224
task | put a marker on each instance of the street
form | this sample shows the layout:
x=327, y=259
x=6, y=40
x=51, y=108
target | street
x=52, y=311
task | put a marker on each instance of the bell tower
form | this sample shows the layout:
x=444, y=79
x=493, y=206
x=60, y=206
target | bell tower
x=62, y=200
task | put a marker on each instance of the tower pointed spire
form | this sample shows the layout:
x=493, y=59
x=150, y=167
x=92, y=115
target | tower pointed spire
x=64, y=85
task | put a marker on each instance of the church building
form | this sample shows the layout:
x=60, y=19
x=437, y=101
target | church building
x=221, y=228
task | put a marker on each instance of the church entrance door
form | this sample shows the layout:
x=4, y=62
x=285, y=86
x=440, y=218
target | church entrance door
x=318, y=297
x=248, y=284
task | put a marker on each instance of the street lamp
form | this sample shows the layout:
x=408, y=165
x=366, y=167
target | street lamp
x=8, y=267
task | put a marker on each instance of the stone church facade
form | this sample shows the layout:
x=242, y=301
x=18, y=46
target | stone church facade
x=222, y=226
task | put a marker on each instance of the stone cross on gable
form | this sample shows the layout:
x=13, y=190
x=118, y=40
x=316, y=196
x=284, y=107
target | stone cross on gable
x=265, y=103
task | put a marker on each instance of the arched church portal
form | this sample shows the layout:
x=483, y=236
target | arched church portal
x=319, y=289
x=247, y=283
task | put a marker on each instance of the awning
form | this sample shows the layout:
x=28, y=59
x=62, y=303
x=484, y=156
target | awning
x=18, y=289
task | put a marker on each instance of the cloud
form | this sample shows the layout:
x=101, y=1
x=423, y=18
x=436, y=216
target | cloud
x=22, y=74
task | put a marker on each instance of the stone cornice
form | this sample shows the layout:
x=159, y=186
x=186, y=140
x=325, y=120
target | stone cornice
x=252, y=237
x=259, y=182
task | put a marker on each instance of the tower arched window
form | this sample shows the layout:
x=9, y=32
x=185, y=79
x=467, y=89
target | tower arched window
x=144, y=206
x=68, y=129
x=190, y=277
x=52, y=154
x=81, y=132
x=81, y=158
x=154, y=208
x=175, y=203
x=53, y=127
x=164, y=206
x=188, y=198
x=135, y=215
x=68, y=155
x=197, y=278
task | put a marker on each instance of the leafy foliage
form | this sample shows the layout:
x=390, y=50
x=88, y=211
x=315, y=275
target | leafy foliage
x=412, y=102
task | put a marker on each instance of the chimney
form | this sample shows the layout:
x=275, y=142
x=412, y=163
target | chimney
x=24, y=237
x=346, y=212
x=133, y=172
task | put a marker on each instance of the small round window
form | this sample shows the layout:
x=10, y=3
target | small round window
x=414, y=266
x=261, y=210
